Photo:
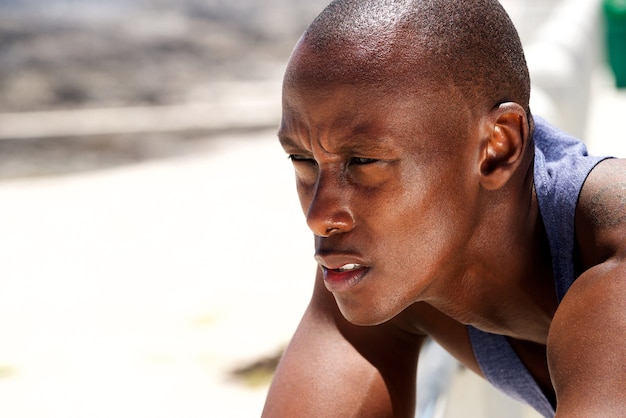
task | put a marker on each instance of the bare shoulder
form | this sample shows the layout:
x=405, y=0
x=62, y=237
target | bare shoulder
x=601, y=213
x=586, y=344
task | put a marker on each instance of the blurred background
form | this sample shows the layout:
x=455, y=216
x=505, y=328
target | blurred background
x=153, y=258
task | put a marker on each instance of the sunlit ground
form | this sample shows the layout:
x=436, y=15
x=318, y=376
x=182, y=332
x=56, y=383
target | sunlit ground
x=139, y=291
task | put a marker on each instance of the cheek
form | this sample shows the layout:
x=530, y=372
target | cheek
x=422, y=227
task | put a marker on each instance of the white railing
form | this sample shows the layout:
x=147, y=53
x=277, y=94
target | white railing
x=561, y=58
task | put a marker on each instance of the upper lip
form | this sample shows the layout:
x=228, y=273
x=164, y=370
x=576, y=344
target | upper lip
x=336, y=260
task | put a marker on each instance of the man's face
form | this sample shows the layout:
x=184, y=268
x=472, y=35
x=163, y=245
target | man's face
x=387, y=182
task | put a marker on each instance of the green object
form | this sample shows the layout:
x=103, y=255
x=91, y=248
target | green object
x=615, y=17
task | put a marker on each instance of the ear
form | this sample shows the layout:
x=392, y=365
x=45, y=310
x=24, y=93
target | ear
x=506, y=135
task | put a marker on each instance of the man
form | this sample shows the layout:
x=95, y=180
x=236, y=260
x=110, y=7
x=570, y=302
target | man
x=441, y=209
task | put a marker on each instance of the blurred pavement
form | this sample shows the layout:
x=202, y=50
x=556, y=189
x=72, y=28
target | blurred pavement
x=134, y=292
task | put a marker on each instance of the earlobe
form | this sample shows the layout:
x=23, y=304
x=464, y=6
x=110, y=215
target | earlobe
x=503, y=148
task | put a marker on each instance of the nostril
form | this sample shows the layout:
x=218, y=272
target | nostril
x=331, y=230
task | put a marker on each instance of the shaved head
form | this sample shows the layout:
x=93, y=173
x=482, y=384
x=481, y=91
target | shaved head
x=470, y=45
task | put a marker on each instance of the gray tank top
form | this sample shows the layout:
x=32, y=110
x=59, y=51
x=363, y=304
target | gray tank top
x=561, y=167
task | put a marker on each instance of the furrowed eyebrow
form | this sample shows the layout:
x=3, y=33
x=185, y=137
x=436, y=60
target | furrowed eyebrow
x=360, y=145
x=287, y=142
x=367, y=146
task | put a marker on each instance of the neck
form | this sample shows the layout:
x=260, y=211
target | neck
x=505, y=285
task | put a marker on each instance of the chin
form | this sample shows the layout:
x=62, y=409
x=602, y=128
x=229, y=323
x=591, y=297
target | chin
x=363, y=314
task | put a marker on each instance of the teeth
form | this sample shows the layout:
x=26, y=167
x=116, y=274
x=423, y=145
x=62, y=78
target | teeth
x=349, y=267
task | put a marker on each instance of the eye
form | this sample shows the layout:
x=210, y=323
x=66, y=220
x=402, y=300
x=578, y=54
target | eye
x=362, y=161
x=297, y=158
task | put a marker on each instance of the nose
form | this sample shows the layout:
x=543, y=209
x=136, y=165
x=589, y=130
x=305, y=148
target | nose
x=329, y=211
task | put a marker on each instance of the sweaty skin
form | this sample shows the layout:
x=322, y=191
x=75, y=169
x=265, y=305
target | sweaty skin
x=425, y=220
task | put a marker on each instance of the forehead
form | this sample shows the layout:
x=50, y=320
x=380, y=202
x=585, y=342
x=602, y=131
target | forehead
x=399, y=72
x=334, y=111
x=334, y=118
x=367, y=92
x=379, y=61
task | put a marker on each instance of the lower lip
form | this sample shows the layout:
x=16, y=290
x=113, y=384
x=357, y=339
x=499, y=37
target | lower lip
x=338, y=282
